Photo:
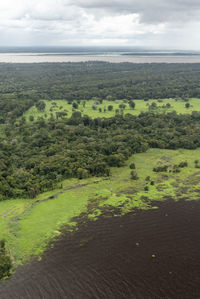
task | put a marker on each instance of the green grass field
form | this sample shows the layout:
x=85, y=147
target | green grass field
x=141, y=106
x=28, y=225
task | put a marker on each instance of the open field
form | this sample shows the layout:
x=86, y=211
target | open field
x=53, y=107
x=28, y=225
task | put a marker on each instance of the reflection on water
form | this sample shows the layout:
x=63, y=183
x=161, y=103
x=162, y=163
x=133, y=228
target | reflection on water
x=114, y=58
x=146, y=254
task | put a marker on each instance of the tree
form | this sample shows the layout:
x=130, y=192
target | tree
x=41, y=105
x=31, y=118
x=132, y=104
x=82, y=173
x=196, y=162
x=75, y=105
x=110, y=107
x=187, y=105
x=94, y=106
x=153, y=106
x=147, y=179
x=134, y=175
x=122, y=106
x=132, y=166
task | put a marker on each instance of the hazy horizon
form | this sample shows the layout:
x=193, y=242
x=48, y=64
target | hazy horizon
x=93, y=49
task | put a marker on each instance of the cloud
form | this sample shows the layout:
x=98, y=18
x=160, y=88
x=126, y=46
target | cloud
x=151, y=11
x=101, y=22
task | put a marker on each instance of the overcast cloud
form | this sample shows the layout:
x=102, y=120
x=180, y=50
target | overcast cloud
x=149, y=23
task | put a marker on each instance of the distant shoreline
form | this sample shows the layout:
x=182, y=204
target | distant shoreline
x=114, y=57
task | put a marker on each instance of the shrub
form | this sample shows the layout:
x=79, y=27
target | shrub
x=187, y=105
x=147, y=178
x=134, y=175
x=160, y=168
x=31, y=118
x=132, y=166
x=183, y=164
x=5, y=261
x=110, y=108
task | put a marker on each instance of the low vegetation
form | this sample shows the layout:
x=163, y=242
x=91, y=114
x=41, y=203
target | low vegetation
x=5, y=261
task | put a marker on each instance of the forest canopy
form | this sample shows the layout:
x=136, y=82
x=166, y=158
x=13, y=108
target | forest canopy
x=37, y=156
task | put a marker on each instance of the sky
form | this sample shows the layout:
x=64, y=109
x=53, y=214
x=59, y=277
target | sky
x=159, y=24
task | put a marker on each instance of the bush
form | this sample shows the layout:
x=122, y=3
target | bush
x=75, y=105
x=5, y=265
x=187, y=105
x=147, y=178
x=5, y=261
x=160, y=168
x=132, y=166
x=31, y=118
x=183, y=164
x=134, y=175
x=176, y=169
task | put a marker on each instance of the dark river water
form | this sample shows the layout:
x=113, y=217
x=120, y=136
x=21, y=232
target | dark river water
x=146, y=254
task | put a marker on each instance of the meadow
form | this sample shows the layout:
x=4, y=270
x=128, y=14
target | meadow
x=28, y=225
x=101, y=109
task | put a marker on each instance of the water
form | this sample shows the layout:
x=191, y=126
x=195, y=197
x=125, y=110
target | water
x=146, y=254
x=114, y=57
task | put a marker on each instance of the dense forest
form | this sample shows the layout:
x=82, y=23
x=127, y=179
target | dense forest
x=22, y=85
x=37, y=156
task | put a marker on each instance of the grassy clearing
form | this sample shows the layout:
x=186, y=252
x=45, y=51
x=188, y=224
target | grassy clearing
x=28, y=225
x=141, y=106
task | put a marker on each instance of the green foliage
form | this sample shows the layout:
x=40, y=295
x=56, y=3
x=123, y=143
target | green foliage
x=132, y=104
x=5, y=261
x=183, y=164
x=40, y=105
x=187, y=105
x=132, y=166
x=134, y=175
x=75, y=105
x=110, y=107
x=31, y=118
x=196, y=162
x=163, y=168
x=38, y=155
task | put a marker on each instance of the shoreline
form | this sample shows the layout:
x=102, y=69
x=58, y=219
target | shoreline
x=51, y=58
